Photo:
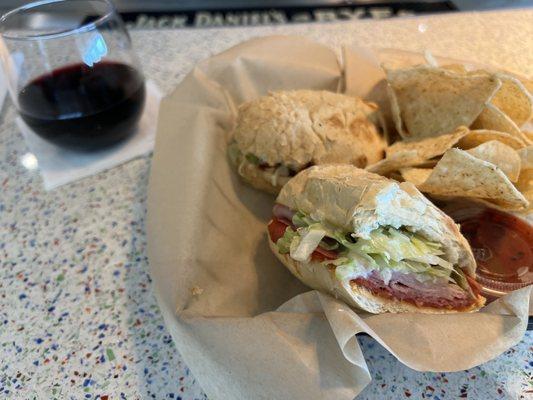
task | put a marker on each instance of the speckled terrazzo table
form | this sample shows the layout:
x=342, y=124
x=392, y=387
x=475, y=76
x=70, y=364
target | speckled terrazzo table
x=78, y=318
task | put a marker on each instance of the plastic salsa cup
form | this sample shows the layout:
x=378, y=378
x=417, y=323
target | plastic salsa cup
x=502, y=244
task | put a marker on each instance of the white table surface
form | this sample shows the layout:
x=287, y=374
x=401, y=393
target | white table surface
x=78, y=318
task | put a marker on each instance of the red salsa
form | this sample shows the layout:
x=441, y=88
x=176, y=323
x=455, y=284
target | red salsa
x=503, y=248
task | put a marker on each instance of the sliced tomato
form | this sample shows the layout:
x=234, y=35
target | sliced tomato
x=321, y=254
x=276, y=229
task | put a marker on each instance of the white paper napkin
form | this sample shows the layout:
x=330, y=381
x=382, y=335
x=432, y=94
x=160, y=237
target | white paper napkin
x=59, y=166
x=3, y=87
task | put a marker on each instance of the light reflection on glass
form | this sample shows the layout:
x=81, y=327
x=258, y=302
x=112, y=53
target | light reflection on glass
x=95, y=50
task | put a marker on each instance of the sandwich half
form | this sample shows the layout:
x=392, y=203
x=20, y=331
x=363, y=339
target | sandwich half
x=278, y=135
x=379, y=245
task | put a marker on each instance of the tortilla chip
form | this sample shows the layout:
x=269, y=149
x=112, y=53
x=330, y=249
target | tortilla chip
x=417, y=176
x=529, y=135
x=428, y=163
x=492, y=118
x=395, y=162
x=396, y=176
x=528, y=83
x=501, y=155
x=526, y=157
x=430, y=101
x=513, y=99
x=429, y=147
x=395, y=111
x=460, y=174
x=416, y=153
x=525, y=185
x=476, y=137
x=457, y=68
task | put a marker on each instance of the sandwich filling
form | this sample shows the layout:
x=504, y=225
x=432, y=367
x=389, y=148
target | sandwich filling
x=278, y=173
x=391, y=263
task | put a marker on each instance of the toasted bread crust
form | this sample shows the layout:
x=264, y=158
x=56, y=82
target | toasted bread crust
x=295, y=128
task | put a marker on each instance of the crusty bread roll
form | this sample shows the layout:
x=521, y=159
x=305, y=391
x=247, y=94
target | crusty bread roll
x=358, y=201
x=295, y=129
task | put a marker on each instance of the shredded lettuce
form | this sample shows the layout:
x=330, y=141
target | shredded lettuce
x=284, y=242
x=386, y=250
x=253, y=158
x=395, y=245
x=301, y=220
x=235, y=153
x=459, y=276
x=310, y=238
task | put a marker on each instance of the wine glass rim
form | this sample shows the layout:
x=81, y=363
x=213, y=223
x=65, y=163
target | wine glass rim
x=61, y=33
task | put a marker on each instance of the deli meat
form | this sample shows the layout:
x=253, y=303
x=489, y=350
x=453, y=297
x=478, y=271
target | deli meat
x=407, y=288
x=282, y=212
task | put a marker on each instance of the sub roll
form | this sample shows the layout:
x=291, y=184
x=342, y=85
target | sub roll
x=280, y=134
x=379, y=245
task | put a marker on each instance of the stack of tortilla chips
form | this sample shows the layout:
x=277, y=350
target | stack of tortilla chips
x=464, y=134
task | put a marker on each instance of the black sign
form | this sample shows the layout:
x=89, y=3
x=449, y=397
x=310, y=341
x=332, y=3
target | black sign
x=276, y=16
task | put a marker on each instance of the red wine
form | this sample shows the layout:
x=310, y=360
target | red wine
x=84, y=107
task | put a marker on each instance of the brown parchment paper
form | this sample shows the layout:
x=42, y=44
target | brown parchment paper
x=246, y=328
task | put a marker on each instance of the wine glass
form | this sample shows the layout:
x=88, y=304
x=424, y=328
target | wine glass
x=71, y=71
